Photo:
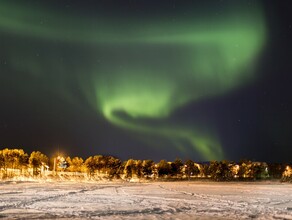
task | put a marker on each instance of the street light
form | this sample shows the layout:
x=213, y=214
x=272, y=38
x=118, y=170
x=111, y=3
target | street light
x=60, y=162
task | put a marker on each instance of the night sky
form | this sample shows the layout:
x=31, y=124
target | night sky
x=201, y=80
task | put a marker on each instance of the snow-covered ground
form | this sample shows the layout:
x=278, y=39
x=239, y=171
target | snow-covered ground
x=157, y=200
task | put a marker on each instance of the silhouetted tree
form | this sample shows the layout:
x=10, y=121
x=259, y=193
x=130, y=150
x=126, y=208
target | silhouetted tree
x=121, y=169
x=139, y=170
x=112, y=166
x=244, y=169
x=2, y=160
x=163, y=168
x=256, y=170
x=23, y=161
x=147, y=167
x=221, y=171
x=276, y=170
x=205, y=171
x=191, y=169
x=91, y=166
x=95, y=163
x=176, y=167
x=36, y=160
x=130, y=168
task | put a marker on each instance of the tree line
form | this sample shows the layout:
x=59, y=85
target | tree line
x=15, y=162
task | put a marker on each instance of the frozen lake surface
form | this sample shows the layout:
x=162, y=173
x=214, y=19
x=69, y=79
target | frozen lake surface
x=157, y=200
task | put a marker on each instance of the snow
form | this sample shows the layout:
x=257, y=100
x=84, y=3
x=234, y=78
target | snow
x=152, y=200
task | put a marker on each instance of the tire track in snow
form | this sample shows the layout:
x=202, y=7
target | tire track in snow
x=26, y=203
x=224, y=207
x=209, y=204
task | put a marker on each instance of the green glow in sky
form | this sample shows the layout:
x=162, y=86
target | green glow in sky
x=199, y=62
x=148, y=69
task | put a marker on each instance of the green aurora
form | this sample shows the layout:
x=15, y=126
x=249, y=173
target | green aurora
x=139, y=70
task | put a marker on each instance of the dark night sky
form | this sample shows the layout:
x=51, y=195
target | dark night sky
x=147, y=79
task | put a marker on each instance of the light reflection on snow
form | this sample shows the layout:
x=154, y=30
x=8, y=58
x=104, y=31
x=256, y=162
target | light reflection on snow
x=157, y=200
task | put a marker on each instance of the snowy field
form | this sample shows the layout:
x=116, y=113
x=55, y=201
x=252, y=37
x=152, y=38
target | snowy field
x=158, y=200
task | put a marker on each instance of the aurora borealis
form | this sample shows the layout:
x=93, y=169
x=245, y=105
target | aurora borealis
x=141, y=79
